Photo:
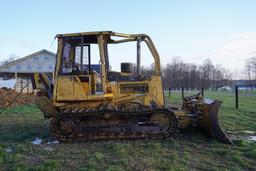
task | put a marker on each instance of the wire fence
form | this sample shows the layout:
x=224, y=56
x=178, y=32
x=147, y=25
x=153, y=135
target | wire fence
x=181, y=93
x=231, y=92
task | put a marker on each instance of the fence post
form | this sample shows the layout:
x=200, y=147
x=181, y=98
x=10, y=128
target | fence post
x=236, y=97
x=21, y=85
x=169, y=91
x=27, y=86
x=182, y=92
x=202, y=91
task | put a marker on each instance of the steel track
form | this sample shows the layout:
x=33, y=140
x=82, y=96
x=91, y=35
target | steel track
x=84, y=132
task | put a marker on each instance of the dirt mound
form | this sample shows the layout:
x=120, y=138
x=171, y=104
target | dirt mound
x=7, y=97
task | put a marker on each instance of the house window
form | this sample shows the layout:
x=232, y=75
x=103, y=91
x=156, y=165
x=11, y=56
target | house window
x=35, y=58
x=29, y=67
x=39, y=67
x=18, y=67
x=46, y=57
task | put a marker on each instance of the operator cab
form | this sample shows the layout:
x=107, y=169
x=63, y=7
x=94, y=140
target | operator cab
x=76, y=63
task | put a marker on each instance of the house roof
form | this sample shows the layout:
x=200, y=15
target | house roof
x=28, y=56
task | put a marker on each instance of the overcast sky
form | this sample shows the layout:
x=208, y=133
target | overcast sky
x=224, y=31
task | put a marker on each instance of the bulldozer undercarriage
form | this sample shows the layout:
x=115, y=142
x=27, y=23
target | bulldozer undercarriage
x=114, y=124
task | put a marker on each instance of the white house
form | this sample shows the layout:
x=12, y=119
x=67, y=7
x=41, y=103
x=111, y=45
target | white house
x=38, y=62
x=22, y=69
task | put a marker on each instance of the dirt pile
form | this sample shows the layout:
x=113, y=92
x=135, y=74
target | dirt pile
x=7, y=97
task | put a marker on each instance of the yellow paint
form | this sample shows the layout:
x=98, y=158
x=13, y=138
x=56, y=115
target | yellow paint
x=70, y=88
x=184, y=120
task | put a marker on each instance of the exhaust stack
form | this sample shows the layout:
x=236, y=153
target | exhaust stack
x=139, y=55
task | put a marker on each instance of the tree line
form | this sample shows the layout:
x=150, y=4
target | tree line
x=177, y=74
x=250, y=71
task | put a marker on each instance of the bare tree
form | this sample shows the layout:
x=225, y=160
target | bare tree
x=11, y=58
x=253, y=66
x=178, y=74
x=248, y=71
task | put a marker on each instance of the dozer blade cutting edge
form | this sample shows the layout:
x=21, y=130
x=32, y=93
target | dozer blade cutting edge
x=209, y=122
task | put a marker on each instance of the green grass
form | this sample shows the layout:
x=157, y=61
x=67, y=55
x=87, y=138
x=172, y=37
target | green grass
x=22, y=124
x=188, y=151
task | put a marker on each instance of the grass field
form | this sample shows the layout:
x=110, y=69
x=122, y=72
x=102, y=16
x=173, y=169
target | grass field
x=191, y=150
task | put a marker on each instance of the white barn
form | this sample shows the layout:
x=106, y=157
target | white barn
x=22, y=69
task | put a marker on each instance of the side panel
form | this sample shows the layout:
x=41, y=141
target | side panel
x=146, y=92
x=156, y=90
x=70, y=88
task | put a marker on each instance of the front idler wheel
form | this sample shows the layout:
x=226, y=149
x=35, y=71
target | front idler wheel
x=66, y=126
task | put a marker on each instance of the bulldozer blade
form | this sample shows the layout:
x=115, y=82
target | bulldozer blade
x=209, y=121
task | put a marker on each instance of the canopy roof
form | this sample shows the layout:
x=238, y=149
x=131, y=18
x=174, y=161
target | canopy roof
x=85, y=34
x=95, y=33
x=91, y=37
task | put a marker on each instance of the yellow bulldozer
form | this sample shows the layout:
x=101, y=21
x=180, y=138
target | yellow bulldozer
x=86, y=101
